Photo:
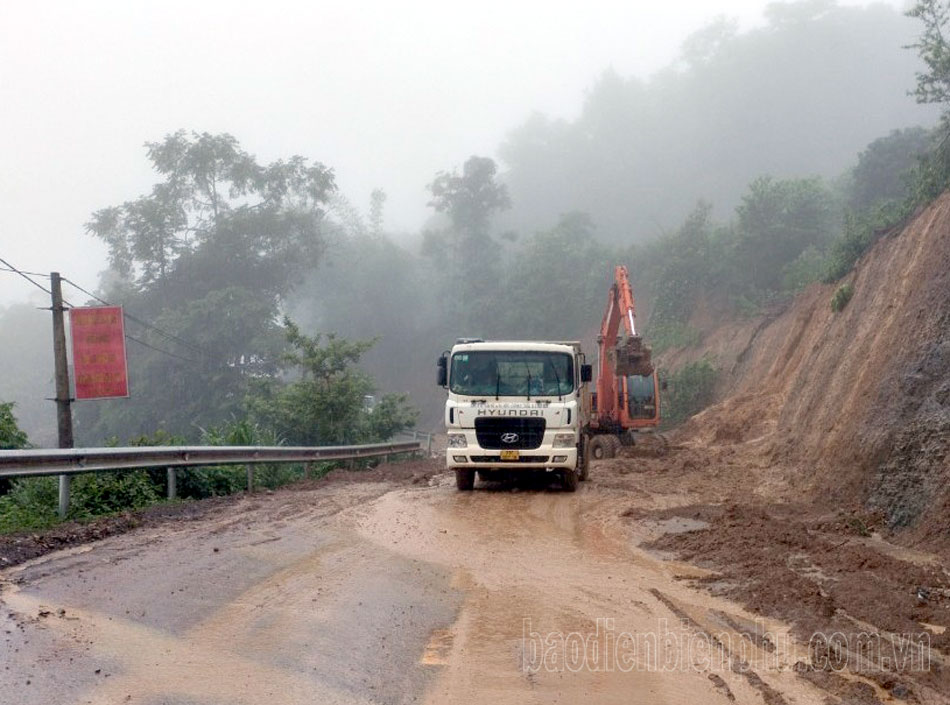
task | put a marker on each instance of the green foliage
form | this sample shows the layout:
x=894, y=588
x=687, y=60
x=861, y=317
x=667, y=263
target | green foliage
x=471, y=197
x=11, y=437
x=554, y=281
x=860, y=231
x=392, y=414
x=208, y=255
x=933, y=84
x=777, y=221
x=841, y=297
x=30, y=504
x=325, y=405
x=227, y=479
x=99, y=493
x=466, y=247
x=932, y=177
x=885, y=169
x=690, y=389
x=680, y=274
x=810, y=266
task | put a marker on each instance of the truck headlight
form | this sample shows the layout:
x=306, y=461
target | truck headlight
x=457, y=440
x=564, y=440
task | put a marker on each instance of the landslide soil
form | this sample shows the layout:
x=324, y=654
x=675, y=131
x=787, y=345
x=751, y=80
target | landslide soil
x=24, y=546
x=822, y=477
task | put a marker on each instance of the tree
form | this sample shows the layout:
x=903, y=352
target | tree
x=933, y=84
x=884, y=167
x=556, y=280
x=326, y=404
x=216, y=202
x=465, y=253
x=208, y=256
x=777, y=221
x=470, y=198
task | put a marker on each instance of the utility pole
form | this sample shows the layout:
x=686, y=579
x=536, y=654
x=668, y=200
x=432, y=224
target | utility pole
x=64, y=415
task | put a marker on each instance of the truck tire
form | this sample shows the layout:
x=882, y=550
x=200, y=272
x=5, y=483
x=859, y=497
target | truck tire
x=569, y=480
x=615, y=446
x=583, y=459
x=465, y=479
x=583, y=471
x=598, y=448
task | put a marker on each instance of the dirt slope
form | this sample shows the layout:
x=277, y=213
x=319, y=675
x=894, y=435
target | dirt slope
x=850, y=407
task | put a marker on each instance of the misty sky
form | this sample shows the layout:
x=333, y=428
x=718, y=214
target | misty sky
x=385, y=93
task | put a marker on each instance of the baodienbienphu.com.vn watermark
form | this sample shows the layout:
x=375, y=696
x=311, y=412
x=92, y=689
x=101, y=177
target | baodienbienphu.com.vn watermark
x=678, y=647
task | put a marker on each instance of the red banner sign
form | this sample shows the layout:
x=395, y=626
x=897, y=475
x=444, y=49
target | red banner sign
x=99, y=362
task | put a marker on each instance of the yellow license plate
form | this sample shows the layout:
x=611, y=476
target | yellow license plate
x=509, y=455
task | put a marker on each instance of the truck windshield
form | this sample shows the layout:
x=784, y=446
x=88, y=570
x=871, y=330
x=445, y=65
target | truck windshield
x=511, y=373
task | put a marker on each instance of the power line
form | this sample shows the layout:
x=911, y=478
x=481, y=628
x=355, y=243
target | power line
x=24, y=275
x=18, y=271
x=166, y=352
x=146, y=324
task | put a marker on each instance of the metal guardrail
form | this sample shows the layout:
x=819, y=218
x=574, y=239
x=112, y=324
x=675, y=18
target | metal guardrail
x=66, y=462
x=424, y=437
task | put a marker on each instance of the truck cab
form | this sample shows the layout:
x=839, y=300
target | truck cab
x=519, y=406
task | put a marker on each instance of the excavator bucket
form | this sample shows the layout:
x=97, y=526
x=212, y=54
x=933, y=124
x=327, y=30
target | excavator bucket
x=634, y=357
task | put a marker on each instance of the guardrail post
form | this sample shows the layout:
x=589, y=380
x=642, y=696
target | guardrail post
x=172, y=483
x=250, y=477
x=429, y=446
x=64, y=495
x=307, y=467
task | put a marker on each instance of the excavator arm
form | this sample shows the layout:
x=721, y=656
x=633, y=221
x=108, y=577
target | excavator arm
x=623, y=403
x=626, y=352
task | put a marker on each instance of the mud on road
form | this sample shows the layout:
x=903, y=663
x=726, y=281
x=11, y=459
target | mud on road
x=391, y=587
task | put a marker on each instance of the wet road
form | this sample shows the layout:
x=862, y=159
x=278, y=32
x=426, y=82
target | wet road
x=370, y=593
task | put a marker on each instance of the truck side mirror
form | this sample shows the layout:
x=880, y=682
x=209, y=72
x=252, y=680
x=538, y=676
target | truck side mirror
x=587, y=373
x=443, y=378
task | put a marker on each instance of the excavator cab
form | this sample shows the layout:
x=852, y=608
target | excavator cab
x=641, y=396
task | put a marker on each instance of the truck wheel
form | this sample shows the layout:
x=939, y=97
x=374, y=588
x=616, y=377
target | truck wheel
x=615, y=446
x=465, y=479
x=598, y=448
x=569, y=480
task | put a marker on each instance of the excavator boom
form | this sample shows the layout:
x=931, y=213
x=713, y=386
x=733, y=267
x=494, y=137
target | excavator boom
x=631, y=356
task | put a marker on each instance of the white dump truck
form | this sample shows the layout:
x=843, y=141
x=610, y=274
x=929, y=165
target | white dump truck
x=516, y=407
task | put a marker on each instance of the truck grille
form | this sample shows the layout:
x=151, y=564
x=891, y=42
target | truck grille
x=529, y=432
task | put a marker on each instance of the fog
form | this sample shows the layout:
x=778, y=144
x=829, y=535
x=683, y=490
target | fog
x=730, y=154
x=386, y=94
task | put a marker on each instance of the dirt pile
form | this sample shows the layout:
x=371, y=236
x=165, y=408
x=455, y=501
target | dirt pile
x=853, y=407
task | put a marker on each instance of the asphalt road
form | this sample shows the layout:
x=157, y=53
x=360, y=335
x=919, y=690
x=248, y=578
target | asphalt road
x=377, y=593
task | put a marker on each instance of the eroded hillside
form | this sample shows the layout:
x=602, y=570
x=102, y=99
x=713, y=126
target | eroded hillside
x=849, y=407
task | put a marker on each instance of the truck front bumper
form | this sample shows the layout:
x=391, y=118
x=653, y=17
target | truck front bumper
x=534, y=459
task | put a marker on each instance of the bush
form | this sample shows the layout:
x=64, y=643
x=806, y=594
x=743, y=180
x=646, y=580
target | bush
x=30, y=504
x=842, y=296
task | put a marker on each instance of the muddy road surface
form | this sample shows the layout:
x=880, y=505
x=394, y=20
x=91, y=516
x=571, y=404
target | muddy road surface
x=400, y=592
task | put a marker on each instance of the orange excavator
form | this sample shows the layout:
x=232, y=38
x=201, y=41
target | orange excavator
x=627, y=399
